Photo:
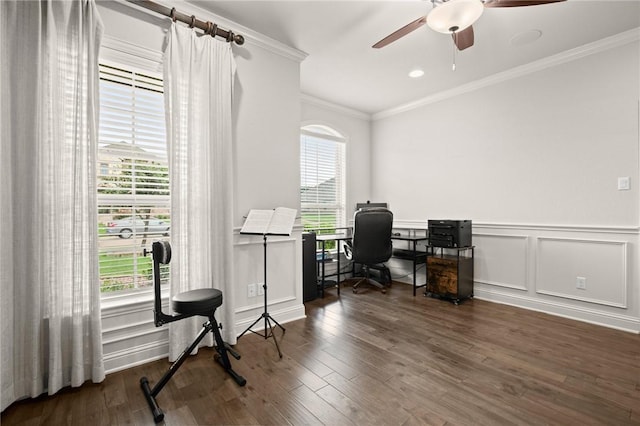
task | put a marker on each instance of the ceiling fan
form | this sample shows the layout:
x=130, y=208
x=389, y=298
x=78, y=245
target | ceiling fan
x=455, y=17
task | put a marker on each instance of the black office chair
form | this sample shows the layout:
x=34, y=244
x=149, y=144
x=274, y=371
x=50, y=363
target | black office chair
x=371, y=245
x=203, y=302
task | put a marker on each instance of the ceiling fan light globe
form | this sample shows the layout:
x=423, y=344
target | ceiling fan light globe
x=454, y=15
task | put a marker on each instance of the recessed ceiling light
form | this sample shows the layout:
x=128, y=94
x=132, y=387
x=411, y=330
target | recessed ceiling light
x=416, y=73
x=525, y=37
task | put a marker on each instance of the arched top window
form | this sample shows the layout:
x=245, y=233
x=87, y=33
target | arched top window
x=322, y=130
x=322, y=178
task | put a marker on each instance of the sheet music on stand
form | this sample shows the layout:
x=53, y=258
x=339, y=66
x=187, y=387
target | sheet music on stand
x=269, y=222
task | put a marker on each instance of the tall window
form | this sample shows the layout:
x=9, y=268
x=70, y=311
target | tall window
x=133, y=177
x=322, y=178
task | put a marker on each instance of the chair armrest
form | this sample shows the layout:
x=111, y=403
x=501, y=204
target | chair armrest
x=347, y=249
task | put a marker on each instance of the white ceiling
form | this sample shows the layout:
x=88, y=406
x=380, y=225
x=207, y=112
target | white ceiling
x=343, y=68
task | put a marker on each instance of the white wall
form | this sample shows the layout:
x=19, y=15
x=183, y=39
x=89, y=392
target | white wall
x=266, y=140
x=535, y=169
x=533, y=161
x=355, y=126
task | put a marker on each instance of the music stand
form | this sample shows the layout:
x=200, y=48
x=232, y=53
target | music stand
x=268, y=222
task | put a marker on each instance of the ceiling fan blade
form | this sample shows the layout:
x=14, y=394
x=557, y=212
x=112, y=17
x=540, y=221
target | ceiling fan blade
x=412, y=26
x=517, y=3
x=464, y=38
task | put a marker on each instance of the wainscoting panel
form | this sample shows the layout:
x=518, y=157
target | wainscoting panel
x=601, y=263
x=501, y=260
x=535, y=266
x=136, y=348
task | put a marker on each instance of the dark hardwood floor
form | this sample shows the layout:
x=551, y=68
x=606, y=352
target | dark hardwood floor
x=384, y=359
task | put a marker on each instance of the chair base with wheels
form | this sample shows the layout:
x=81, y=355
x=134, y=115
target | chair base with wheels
x=385, y=274
x=202, y=302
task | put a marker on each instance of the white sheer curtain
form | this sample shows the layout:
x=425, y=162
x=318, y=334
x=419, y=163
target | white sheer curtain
x=198, y=76
x=50, y=295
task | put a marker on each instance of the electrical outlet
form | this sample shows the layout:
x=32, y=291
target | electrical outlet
x=623, y=183
x=581, y=283
x=251, y=290
x=260, y=289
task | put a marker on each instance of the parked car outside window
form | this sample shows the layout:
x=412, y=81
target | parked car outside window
x=125, y=228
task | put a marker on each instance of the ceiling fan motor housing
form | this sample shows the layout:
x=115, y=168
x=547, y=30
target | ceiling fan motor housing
x=454, y=15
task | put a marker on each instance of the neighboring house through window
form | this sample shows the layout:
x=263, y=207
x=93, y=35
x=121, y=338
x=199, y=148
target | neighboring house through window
x=322, y=178
x=132, y=177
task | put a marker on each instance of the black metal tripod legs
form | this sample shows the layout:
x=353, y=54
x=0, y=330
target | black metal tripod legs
x=268, y=329
x=222, y=358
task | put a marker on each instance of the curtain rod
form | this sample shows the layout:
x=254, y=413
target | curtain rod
x=208, y=27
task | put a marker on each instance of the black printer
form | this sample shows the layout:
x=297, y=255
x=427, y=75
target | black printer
x=449, y=233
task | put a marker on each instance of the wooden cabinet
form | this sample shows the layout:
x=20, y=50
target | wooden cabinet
x=450, y=273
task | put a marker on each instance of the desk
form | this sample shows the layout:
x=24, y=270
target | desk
x=323, y=241
x=413, y=254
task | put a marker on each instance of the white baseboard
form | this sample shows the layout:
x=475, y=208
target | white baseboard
x=598, y=317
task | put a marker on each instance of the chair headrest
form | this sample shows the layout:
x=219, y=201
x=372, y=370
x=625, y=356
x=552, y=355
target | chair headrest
x=161, y=252
x=375, y=211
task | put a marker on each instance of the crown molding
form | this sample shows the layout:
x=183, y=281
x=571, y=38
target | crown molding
x=312, y=100
x=252, y=38
x=551, y=61
x=269, y=44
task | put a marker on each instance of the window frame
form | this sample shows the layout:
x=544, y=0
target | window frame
x=328, y=134
x=119, y=53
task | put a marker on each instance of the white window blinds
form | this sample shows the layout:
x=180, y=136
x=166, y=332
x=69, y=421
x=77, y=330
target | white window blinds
x=322, y=179
x=133, y=176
